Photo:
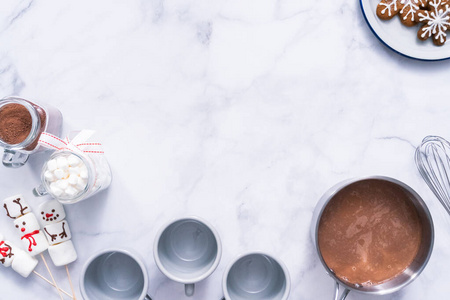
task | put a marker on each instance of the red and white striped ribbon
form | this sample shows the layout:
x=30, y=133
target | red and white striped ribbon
x=79, y=142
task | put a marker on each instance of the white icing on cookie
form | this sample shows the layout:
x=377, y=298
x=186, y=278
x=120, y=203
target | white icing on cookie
x=389, y=7
x=411, y=7
x=437, y=20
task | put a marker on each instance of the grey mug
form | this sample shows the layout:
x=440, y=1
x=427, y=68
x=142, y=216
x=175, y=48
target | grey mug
x=187, y=250
x=114, y=274
x=254, y=276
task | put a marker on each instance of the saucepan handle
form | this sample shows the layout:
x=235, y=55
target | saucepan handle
x=344, y=294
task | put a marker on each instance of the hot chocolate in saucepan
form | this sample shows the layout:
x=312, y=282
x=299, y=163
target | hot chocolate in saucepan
x=369, y=232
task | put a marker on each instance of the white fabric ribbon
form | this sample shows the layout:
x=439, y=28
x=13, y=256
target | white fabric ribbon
x=78, y=143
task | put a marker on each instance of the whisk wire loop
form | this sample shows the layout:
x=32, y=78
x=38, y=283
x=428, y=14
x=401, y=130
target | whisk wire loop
x=433, y=162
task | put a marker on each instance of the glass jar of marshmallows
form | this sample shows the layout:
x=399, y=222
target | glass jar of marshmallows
x=71, y=176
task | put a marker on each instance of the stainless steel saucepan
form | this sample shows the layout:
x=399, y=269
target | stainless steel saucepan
x=411, y=272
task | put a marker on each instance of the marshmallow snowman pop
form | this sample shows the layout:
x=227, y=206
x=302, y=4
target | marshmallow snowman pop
x=61, y=249
x=20, y=261
x=29, y=229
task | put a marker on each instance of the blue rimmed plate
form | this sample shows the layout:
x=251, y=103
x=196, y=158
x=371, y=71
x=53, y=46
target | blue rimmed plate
x=400, y=38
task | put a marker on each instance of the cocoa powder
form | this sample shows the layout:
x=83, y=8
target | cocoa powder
x=16, y=124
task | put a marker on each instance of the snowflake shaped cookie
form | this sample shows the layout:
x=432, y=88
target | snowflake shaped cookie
x=409, y=11
x=437, y=22
x=406, y=9
x=387, y=9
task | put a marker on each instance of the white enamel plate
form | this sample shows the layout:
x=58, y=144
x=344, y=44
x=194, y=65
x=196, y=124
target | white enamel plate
x=400, y=38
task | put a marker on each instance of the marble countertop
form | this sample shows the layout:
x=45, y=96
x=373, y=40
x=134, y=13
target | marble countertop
x=241, y=112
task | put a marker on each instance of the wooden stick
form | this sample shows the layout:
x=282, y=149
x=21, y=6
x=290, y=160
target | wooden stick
x=71, y=285
x=51, y=275
x=49, y=282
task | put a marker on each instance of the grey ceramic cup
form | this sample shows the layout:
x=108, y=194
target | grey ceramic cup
x=256, y=276
x=114, y=274
x=187, y=250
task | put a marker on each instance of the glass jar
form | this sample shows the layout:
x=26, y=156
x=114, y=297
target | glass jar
x=71, y=176
x=21, y=124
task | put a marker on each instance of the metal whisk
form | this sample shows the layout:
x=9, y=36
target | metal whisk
x=433, y=161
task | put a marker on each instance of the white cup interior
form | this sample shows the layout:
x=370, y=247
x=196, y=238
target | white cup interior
x=256, y=276
x=114, y=276
x=187, y=249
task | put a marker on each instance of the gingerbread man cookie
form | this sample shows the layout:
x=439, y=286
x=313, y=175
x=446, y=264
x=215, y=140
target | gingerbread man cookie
x=436, y=21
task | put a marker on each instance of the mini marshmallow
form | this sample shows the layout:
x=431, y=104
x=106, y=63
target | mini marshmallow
x=84, y=173
x=7, y=253
x=23, y=263
x=49, y=175
x=56, y=191
x=73, y=160
x=81, y=184
x=62, y=184
x=74, y=171
x=16, y=206
x=62, y=163
x=71, y=192
x=58, y=232
x=73, y=179
x=62, y=254
x=51, y=212
x=51, y=165
x=59, y=174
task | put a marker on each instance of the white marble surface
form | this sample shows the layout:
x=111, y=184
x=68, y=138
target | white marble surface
x=241, y=112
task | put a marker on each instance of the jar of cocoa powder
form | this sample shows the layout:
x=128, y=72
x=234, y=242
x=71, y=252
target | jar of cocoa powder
x=21, y=124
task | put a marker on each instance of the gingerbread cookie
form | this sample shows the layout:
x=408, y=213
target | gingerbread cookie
x=409, y=11
x=387, y=9
x=436, y=21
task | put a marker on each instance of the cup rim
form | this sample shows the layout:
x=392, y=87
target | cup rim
x=198, y=278
x=258, y=252
x=131, y=253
